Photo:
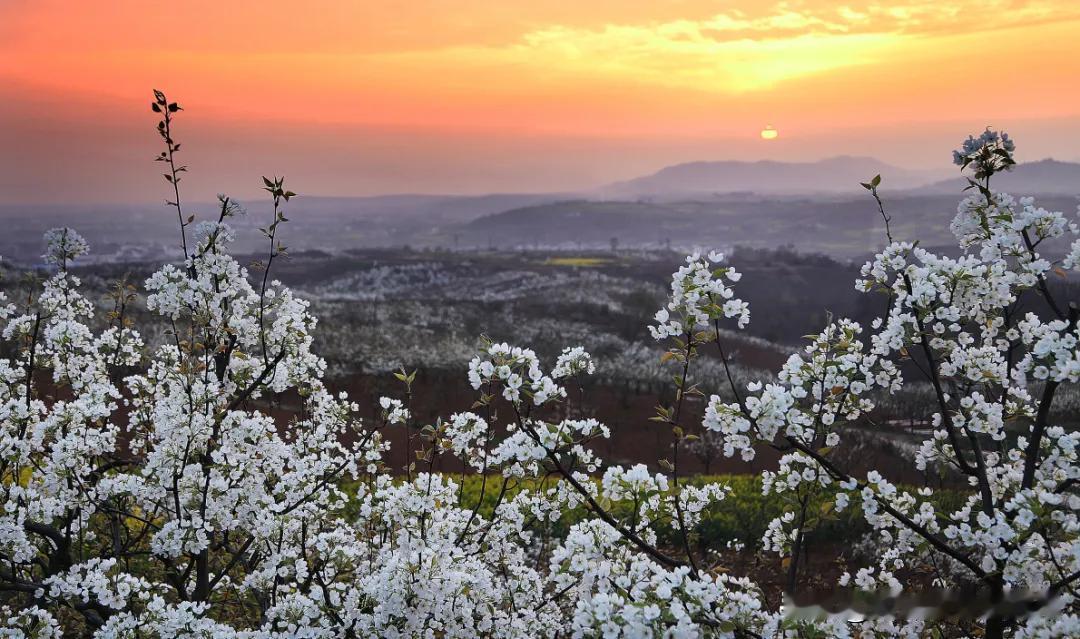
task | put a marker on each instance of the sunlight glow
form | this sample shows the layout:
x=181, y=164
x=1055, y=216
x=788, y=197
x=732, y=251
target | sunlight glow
x=550, y=92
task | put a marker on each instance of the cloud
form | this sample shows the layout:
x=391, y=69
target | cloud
x=552, y=66
x=914, y=17
x=748, y=48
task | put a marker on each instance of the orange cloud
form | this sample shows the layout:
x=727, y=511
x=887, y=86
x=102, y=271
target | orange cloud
x=450, y=62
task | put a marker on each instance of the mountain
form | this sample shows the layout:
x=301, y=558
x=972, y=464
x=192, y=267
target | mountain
x=837, y=175
x=1051, y=177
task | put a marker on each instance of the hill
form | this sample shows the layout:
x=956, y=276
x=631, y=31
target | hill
x=840, y=226
x=1045, y=176
x=838, y=174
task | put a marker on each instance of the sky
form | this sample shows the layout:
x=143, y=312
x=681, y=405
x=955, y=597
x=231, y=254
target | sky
x=470, y=96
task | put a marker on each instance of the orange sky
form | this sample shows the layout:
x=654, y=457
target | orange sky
x=445, y=95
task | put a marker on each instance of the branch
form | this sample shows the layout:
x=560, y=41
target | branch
x=930, y=537
x=597, y=508
x=244, y=394
x=1043, y=287
x=935, y=380
x=1031, y=455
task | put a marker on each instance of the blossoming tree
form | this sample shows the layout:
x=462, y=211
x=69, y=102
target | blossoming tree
x=152, y=493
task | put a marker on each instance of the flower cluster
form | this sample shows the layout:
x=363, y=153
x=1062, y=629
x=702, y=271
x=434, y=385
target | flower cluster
x=699, y=296
x=989, y=153
x=63, y=245
x=394, y=411
x=464, y=435
x=573, y=361
x=517, y=370
x=816, y=392
x=532, y=443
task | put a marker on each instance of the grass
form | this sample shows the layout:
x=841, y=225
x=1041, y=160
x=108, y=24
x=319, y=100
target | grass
x=742, y=517
x=577, y=261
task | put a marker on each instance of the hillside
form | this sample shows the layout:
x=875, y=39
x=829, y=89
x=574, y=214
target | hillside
x=847, y=227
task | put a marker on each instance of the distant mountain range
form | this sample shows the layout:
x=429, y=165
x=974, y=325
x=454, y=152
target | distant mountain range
x=838, y=175
x=834, y=175
x=813, y=205
x=1048, y=177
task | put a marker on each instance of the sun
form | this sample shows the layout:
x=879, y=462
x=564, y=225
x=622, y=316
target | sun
x=769, y=132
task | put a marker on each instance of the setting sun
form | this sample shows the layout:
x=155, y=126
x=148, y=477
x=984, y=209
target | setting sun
x=769, y=133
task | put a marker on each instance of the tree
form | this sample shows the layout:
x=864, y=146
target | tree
x=995, y=371
x=152, y=493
